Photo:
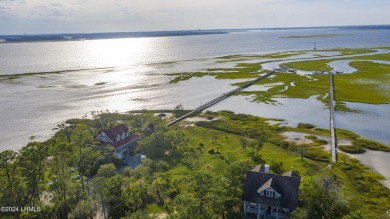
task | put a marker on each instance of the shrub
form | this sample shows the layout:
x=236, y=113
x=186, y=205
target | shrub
x=306, y=125
x=372, y=145
x=117, y=162
x=320, y=142
x=310, y=137
x=211, y=151
x=277, y=168
x=317, y=154
x=352, y=149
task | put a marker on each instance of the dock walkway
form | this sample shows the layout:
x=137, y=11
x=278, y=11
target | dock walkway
x=220, y=98
x=332, y=126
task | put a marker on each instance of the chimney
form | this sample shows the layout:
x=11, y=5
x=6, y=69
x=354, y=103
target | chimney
x=266, y=168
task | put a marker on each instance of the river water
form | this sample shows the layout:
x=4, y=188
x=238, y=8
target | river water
x=126, y=74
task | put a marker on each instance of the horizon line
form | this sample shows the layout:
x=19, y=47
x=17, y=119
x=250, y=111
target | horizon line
x=213, y=29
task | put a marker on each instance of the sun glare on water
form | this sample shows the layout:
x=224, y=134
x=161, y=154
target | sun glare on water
x=119, y=52
x=126, y=62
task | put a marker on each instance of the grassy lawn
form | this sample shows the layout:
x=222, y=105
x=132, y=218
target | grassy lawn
x=230, y=149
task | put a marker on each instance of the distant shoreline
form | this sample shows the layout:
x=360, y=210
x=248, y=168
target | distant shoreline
x=16, y=38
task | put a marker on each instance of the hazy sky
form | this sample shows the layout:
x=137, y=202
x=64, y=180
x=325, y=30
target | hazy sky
x=69, y=16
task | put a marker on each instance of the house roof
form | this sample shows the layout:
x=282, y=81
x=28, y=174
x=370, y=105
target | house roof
x=291, y=173
x=151, y=127
x=271, y=184
x=258, y=168
x=286, y=186
x=112, y=134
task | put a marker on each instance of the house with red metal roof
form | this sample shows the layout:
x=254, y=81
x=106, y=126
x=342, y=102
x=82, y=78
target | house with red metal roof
x=120, y=138
x=268, y=195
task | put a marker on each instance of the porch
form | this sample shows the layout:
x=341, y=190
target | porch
x=258, y=211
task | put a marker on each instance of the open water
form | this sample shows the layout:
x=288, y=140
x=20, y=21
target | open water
x=126, y=74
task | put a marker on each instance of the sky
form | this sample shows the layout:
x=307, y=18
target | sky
x=83, y=16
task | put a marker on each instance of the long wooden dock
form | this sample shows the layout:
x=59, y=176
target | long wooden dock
x=332, y=125
x=220, y=98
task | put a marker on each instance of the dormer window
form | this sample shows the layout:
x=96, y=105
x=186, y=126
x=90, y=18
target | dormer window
x=269, y=193
x=118, y=138
x=128, y=133
x=123, y=135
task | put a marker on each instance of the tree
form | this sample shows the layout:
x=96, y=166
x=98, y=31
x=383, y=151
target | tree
x=261, y=139
x=100, y=191
x=62, y=155
x=134, y=195
x=13, y=185
x=66, y=129
x=277, y=168
x=357, y=215
x=139, y=122
x=302, y=151
x=107, y=187
x=179, y=107
x=84, y=209
x=154, y=145
x=319, y=202
x=244, y=141
x=162, y=187
x=201, y=185
x=32, y=163
x=106, y=171
x=7, y=162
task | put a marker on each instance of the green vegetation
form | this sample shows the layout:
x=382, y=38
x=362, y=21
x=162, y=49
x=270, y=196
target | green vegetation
x=241, y=70
x=193, y=170
x=352, y=149
x=101, y=83
x=352, y=51
x=16, y=76
x=317, y=36
x=347, y=190
x=372, y=145
x=310, y=65
x=369, y=84
x=306, y=126
x=239, y=58
x=362, y=187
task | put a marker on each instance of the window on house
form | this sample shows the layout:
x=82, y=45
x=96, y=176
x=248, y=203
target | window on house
x=123, y=135
x=118, y=138
x=269, y=193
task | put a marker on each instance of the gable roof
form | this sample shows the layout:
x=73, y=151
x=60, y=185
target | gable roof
x=270, y=184
x=110, y=135
x=115, y=131
x=288, y=186
x=290, y=173
x=258, y=168
x=151, y=127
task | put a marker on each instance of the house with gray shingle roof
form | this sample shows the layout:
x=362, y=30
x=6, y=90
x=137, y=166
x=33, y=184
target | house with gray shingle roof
x=269, y=195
